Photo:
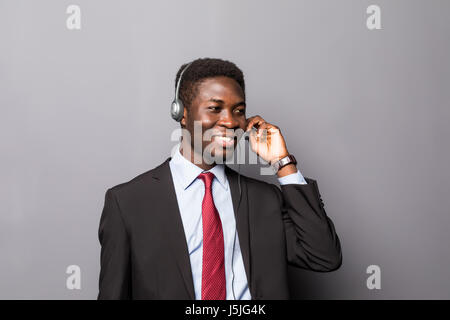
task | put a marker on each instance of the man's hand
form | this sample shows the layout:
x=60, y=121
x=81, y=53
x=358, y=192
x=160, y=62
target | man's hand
x=268, y=143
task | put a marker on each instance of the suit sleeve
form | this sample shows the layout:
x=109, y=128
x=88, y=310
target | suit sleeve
x=114, y=282
x=311, y=239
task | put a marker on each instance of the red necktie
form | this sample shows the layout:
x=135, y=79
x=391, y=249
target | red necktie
x=213, y=269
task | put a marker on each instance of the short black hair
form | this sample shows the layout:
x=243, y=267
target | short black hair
x=204, y=68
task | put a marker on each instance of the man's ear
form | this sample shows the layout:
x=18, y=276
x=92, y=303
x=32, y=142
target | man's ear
x=183, y=120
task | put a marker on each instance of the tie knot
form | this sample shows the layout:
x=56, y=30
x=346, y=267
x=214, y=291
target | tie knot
x=207, y=178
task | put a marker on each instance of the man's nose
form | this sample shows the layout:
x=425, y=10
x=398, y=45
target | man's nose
x=228, y=120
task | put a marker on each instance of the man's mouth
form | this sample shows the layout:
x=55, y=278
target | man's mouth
x=225, y=141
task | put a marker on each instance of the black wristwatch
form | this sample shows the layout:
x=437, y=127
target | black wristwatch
x=277, y=165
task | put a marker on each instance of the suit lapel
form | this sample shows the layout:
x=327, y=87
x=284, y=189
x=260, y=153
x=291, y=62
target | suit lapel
x=242, y=217
x=174, y=225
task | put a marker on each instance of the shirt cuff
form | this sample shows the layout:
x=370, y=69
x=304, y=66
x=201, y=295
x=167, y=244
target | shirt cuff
x=293, y=178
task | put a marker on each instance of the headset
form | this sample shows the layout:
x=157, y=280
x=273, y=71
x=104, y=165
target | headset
x=177, y=112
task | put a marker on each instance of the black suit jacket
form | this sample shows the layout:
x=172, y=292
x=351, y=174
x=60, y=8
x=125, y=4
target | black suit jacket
x=144, y=253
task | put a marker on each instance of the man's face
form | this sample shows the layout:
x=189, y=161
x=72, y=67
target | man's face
x=220, y=106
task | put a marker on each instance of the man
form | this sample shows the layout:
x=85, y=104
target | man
x=191, y=229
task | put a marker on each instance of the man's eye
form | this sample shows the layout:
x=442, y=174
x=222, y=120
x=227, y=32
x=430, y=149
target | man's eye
x=240, y=110
x=214, y=108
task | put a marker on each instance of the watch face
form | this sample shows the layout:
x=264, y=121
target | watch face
x=284, y=161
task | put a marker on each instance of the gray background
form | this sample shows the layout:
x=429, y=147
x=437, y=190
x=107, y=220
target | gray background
x=365, y=112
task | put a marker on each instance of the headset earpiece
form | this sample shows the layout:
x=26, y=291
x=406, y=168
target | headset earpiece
x=177, y=107
x=177, y=110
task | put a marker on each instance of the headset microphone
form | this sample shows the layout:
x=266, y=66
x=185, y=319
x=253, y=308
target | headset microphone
x=246, y=137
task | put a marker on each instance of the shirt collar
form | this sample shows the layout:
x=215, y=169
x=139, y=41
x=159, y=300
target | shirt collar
x=187, y=172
